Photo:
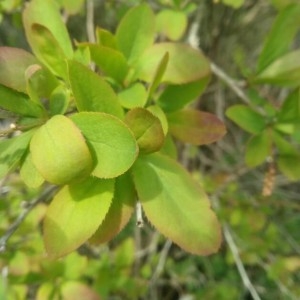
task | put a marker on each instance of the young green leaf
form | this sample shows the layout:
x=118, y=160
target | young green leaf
x=110, y=61
x=185, y=64
x=119, y=212
x=259, y=148
x=280, y=37
x=19, y=103
x=175, y=97
x=133, y=96
x=111, y=142
x=195, y=127
x=175, y=204
x=91, y=92
x=284, y=71
x=13, y=64
x=246, y=118
x=171, y=23
x=146, y=128
x=159, y=113
x=75, y=213
x=106, y=38
x=59, y=151
x=46, y=13
x=12, y=150
x=135, y=32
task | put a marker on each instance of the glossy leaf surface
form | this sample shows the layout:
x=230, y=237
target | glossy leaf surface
x=111, y=142
x=135, y=32
x=146, y=128
x=120, y=211
x=175, y=204
x=75, y=213
x=91, y=92
x=195, y=127
x=59, y=151
x=185, y=64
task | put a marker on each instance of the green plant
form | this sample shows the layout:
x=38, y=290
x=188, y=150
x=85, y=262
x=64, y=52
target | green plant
x=99, y=122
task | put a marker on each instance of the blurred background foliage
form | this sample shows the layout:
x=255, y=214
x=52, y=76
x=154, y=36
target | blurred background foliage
x=258, y=207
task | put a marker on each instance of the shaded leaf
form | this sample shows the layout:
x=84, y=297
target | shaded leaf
x=106, y=38
x=259, y=148
x=158, y=112
x=290, y=109
x=13, y=64
x=74, y=215
x=91, y=92
x=59, y=151
x=111, y=142
x=19, y=103
x=169, y=147
x=171, y=23
x=46, y=13
x=195, y=127
x=146, y=128
x=175, y=97
x=119, y=212
x=278, y=42
x=135, y=32
x=175, y=204
x=12, y=150
x=246, y=118
x=186, y=64
x=59, y=100
x=289, y=165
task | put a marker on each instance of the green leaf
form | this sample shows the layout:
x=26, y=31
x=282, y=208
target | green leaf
x=175, y=97
x=284, y=71
x=111, y=142
x=234, y=3
x=91, y=92
x=259, y=148
x=280, y=37
x=290, y=109
x=59, y=100
x=76, y=290
x=59, y=151
x=158, y=112
x=75, y=213
x=176, y=205
x=146, y=128
x=246, y=118
x=195, y=127
x=284, y=147
x=19, y=103
x=171, y=23
x=133, y=96
x=29, y=174
x=48, y=50
x=13, y=64
x=169, y=147
x=46, y=13
x=12, y=150
x=110, y=61
x=185, y=65
x=106, y=38
x=119, y=212
x=73, y=7
x=135, y=32
x=289, y=165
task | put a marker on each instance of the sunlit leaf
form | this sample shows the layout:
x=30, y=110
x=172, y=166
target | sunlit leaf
x=246, y=118
x=133, y=96
x=73, y=6
x=46, y=13
x=75, y=213
x=195, y=127
x=91, y=92
x=12, y=150
x=119, y=212
x=135, y=32
x=146, y=128
x=111, y=142
x=175, y=204
x=59, y=151
x=185, y=64
x=13, y=64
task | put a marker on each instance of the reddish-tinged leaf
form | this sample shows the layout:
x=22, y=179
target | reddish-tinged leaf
x=175, y=204
x=119, y=212
x=146, y=128
x=195, y=127
x=72, y=290
x=75, y=213
x=13, y=64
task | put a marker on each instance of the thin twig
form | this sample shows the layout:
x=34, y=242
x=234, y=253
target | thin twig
x=15, y=225
x=90, y=21
x=239, y=264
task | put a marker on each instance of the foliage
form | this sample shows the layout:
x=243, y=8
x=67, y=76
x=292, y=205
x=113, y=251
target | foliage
x=100, y=129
